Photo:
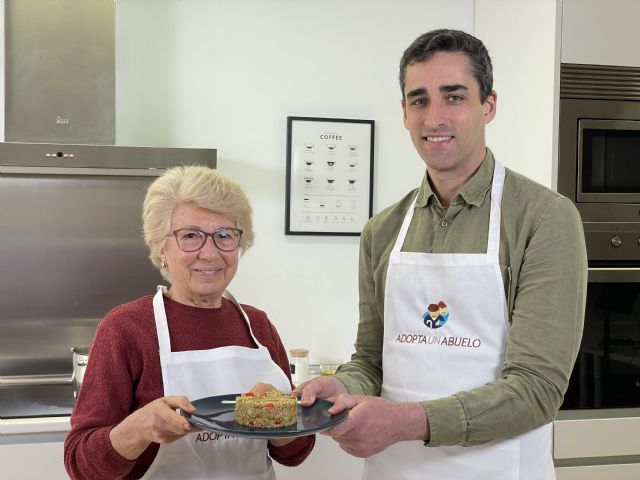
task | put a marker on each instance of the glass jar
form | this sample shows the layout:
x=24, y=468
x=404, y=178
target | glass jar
x=328, y=366
x=299, y=363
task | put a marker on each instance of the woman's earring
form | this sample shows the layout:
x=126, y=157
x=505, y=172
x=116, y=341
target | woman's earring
x=164, y=263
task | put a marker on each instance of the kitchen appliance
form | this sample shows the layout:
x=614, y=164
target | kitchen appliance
x=599, y=148
x=71, y=249
x=607, y=371
x=599, y=169
x=59, y=71
x=595, y=433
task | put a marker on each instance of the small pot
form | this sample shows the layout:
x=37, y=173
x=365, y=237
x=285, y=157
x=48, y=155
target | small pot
x=80, y=360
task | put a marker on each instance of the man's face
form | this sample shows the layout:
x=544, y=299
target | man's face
x=444, y=115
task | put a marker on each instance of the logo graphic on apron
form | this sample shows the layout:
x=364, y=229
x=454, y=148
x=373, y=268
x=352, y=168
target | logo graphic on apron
x=436, y=315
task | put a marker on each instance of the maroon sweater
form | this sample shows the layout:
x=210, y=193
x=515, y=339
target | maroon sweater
x=124, y=374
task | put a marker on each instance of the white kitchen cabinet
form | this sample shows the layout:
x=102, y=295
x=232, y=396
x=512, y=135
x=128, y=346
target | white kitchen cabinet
x=33, y=448
x=589, y=445
x=32, y=461
x=327, y=460
x=601, y=33
x=599, y=472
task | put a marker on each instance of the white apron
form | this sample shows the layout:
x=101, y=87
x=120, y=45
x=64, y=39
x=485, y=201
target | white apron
x=445, y=331
x=205, y=373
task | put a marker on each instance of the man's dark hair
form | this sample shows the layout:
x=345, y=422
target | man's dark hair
x=445, y=40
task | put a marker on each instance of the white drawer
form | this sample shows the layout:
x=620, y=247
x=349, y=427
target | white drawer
x=630, y=471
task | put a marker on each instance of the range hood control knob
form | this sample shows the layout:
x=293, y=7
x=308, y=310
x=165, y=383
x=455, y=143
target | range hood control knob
x=616, y=241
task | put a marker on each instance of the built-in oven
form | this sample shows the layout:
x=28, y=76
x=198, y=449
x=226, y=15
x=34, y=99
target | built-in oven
x=607, y=370
x=597, y=432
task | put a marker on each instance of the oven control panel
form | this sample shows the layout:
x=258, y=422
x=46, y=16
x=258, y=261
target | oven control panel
x=613, y=242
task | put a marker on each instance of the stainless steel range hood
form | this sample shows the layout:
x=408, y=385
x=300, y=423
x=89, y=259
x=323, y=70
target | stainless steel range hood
x=60, y=71
x=71, y=246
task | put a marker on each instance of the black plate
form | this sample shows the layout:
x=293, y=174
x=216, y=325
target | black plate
x=215, y=416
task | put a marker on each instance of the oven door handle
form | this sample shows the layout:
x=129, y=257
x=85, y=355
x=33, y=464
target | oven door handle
x=614, y=275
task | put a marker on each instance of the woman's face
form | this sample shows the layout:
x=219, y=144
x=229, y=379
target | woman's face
x=199, y=277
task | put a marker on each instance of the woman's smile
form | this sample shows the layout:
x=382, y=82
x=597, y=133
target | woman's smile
x=207, y=271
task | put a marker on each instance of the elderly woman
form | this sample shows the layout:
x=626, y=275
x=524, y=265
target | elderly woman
x=150, y=356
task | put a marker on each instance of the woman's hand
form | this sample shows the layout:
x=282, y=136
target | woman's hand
x=262, y=387
x=156, y=422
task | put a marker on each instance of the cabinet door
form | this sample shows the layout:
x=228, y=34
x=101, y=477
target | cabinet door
x=327, y=460
x=630, y=471
x=601, y=33
x=32, y=461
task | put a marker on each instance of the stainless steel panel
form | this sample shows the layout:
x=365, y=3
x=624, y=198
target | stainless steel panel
x=71, y=248
x=26, y=155
x=60, y=71
x=614, y=275
x=79, y=254
x=32, y=401
x=612, y=241
x=115, y=172
x=599, y=82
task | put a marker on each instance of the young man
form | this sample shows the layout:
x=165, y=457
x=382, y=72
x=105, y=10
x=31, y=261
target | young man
x=473, y=397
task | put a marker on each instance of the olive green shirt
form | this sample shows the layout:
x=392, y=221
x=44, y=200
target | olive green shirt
x=544, y=266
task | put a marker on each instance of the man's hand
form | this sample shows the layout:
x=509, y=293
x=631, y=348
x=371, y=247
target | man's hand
x=375, y=423
x=326, y=386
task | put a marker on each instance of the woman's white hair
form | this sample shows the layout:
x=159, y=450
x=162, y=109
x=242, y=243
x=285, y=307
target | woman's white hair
x=199, y=186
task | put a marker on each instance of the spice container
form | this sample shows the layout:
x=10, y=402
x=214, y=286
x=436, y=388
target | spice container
x=299, y=363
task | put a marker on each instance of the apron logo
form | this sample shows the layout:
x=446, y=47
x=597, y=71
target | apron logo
x=436, y=315
x=212, y=436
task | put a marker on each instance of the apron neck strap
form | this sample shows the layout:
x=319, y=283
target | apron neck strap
x=229, y=296
x=497, y=187
x=404, y=228
x=162, y=328
x=160, y=317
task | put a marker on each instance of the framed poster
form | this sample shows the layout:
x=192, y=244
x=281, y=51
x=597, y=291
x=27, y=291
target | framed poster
x=329, y=188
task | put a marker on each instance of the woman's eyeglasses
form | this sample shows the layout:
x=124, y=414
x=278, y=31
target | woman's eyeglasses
x=226, y=239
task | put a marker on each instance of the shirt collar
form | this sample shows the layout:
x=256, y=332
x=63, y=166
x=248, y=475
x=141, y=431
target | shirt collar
x=472, y=193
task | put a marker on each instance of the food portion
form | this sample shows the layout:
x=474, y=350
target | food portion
x=272, y=409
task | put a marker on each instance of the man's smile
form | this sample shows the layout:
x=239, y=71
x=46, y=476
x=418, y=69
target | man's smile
x=437, y=139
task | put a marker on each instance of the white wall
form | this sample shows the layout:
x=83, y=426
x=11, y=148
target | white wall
x=226, y=74
x=521, y=37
